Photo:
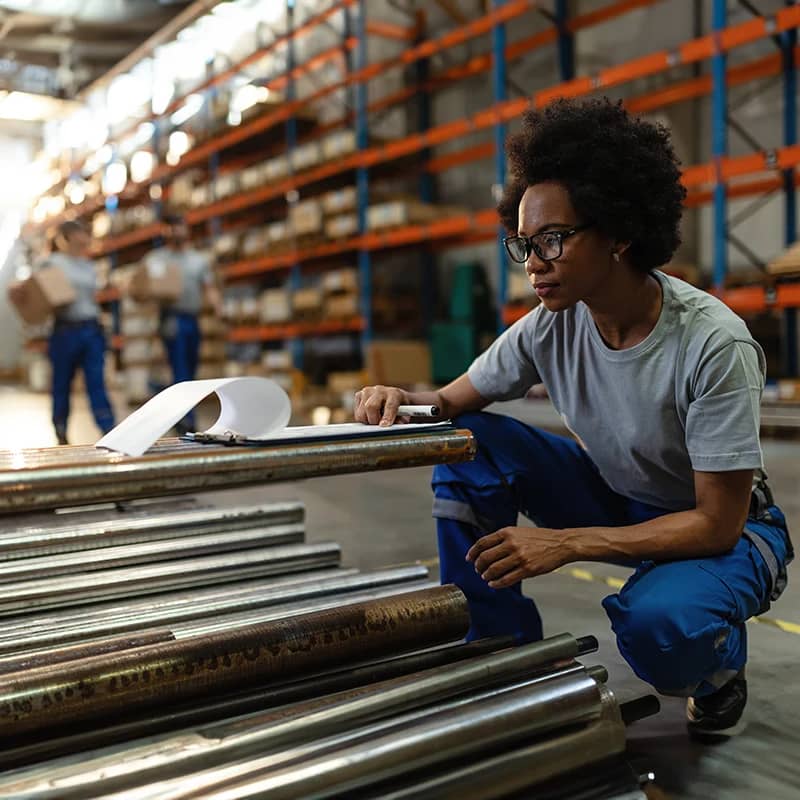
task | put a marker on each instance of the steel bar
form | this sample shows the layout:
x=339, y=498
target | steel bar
x=161, y=610
x=305, y=723
x=77, y=652
x=491, y=723
x=101, y=687
x=228, y=706
x=64, y=533
x=134, y=581
x=192, y=783
x=129, y=555
x=53, y=477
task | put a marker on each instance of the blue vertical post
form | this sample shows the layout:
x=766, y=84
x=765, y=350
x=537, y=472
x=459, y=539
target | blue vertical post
x=719, y=138
x=295, y=278
x=566, y=44
x=499, y=86
x=362, y=177
x=788, y=44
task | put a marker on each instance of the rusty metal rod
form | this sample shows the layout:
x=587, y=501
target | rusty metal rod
x=135, y=581
x=101, y=687
x=128, y=555
x=65, y=533
x=77, y=652
x=54, y=477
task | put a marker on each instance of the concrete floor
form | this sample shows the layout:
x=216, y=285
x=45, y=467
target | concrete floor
x=382, y=519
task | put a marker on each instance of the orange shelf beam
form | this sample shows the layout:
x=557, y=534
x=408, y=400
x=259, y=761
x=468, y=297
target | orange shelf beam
x=105, y=246
x=388, y=30
x=457, y=226
x=296, y=330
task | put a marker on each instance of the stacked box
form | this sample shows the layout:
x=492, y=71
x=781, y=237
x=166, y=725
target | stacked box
x=275, y=305
x=306, y=217
x=338, y=144
x=342, y=226
x=307, y=303
x=397, y=213
x=305, y=156
x=339, y=200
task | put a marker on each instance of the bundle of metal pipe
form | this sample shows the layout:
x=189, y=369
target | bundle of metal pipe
x=486, y=720
x=55, y=477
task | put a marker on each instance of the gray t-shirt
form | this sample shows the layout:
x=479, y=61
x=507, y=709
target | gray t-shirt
x=686, y=398
x=196, y=274
x=81, y=274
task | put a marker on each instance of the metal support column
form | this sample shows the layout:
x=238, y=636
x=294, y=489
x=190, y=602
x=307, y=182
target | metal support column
x=719, y=134
x=295, y=278
x=362, y=177
x=566, y=43
x=499, y=85
x=788, y=44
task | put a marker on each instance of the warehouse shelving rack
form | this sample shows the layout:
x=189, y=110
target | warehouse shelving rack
x=714, y=182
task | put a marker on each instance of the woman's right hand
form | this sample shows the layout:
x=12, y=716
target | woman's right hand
x=377, y=405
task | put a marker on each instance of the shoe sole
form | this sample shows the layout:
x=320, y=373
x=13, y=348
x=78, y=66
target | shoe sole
x=699, y=731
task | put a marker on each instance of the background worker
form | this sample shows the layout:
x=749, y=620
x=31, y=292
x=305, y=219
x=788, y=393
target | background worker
x=660, y=383
x=77, y=339
x=179, y=327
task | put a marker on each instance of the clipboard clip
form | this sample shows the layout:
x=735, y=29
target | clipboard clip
x=227, y=438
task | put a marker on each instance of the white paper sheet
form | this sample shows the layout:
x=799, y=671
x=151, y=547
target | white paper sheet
x=251, y=406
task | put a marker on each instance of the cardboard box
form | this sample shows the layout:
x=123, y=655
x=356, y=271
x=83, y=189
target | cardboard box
x=787, y=263
x=307, y=301
x=276, y=305
x=342, y=382
x=37, y=297
x=400, y=212
x=305, y=156
x=276, y=168
x=342, y=226
x=161, y=282
x=276, y=360
x=391, y=363
x=306, y=217
x=341, y=306
x=339, y=200
x=338, y=144
x=340, y=280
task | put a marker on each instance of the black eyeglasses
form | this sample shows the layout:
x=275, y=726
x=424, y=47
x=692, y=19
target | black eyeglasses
x=548, y=245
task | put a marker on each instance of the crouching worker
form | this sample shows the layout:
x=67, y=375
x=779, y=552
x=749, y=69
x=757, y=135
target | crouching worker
x=660, y=384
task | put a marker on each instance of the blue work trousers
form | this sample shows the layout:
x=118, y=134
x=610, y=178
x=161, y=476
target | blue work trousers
x=73, y=345
x=679, y=624
x=181, y=335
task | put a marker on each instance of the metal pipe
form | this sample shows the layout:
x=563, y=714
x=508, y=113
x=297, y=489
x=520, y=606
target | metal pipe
x=53, y=477
x=128, y=555
x=135, y=581
x=41, y=632
x=101, y=687
x=227, y=706
x=65, y=533
x=491, y=723
x=270, y=739
x=77, y=652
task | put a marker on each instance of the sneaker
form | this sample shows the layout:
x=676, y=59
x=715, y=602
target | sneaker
x=61, y=436
x=718, y=715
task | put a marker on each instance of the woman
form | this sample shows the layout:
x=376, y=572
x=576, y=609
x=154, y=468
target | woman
x=77, y=339
x=659, y=382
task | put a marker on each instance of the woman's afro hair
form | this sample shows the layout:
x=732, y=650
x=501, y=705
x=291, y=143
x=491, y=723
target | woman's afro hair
x=621, y=173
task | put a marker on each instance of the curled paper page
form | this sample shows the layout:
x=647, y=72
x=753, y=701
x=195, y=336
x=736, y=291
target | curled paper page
x=254, y=407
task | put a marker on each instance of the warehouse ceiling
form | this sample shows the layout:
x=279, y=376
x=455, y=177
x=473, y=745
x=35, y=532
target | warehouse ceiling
x=57, y=47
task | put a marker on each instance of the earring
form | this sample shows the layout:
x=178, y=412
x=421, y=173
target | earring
x=615, y=256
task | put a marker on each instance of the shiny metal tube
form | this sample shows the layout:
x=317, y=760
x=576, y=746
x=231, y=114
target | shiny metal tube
x=77, y=652
x=493, y=722
x=531, y=764
x=40, y=632
x=227, y=706
x=65, y=533
x=128, y=555
x=135, y=581
x=53, y=477
x=308, y=724
x=101, y=687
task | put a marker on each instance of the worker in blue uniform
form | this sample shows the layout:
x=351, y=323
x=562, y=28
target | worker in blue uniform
x=660, y=385
x=179, y=324
x=77, y=339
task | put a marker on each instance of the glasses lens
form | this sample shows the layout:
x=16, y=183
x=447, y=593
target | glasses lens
x=516, y=248
x=547, y=246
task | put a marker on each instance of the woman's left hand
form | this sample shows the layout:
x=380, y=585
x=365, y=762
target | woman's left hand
x=508, y=555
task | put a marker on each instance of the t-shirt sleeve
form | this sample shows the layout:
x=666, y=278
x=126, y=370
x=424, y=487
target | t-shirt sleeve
x=506, y=370
x=722, y=423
